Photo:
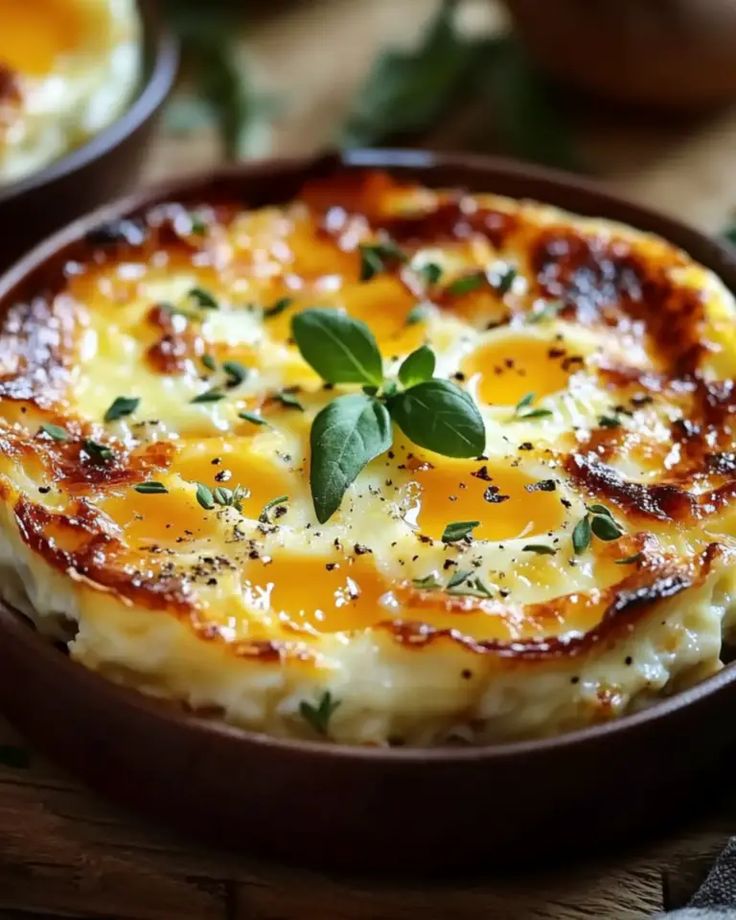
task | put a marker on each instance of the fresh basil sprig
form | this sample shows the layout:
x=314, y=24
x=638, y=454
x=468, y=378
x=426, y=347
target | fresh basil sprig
x=355, y=428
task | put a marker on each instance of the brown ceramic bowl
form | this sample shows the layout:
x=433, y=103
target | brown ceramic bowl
x=104, y=167
x=670, y=54
x=366, y=807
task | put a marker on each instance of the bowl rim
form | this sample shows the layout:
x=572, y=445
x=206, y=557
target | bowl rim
x=714, y=254
x=161, y=52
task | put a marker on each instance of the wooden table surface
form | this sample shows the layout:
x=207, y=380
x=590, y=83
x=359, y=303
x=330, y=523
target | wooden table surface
x=64, y=851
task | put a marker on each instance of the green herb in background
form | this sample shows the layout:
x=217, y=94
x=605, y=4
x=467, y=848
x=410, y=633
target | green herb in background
x=222, y=84
x=407, y=93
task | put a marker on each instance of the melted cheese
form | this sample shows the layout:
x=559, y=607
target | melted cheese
x=248, y=604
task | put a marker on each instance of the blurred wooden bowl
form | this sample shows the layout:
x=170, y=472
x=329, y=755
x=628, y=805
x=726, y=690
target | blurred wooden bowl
x=107, y=165
x=672, y=54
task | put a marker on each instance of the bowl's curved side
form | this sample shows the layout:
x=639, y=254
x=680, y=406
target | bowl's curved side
x=356, y=807
x=105, y=166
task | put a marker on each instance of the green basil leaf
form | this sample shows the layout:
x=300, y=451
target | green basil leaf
x=581, y=535
x=600, y=509
x=418, y=367
x=458, y=530
x=440, y=416
x=346, y=435
x=121, y=406
x=340, y=348
x=209, y=362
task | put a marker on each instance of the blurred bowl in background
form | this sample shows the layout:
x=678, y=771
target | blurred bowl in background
x=671, y=54
x=105, y=166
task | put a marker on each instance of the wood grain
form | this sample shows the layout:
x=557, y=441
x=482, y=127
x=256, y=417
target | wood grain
x=65, y=852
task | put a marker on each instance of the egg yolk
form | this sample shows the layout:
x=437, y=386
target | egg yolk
x=506, y=502
x=308, y=592
x=34, y=33
x=229, y=462
x=505, y=369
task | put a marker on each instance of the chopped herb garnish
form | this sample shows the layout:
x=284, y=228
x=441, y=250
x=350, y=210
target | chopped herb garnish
x=289, y=401
x=121, y=406
x=609, y=421
x=198, y=224
x=471, y=587
x=209, y=362
x=427, y=583
x=55, y=432
x=418, y=314
x=523, y=409
x=630, y=560
x=598, y=522
x=458, y=530
x=466, y=284
x=283, y=304
x=264, y=516
x=506, y=281
x=539, y=548
x=378, y=257
x=151, y=488
x=457, y=579
x=212, y=395
x=205, y=497
x=97, y=451
x=203, y=299
x=605, y=528
x=235, y=371
x=581, y=535
x=230, y=498
x=252, y=418
x=319, y=716
x=430, y=273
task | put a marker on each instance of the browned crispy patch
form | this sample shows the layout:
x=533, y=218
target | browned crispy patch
x=623, y=605
x=177, y=344
x=84, y=543
x=606, y=279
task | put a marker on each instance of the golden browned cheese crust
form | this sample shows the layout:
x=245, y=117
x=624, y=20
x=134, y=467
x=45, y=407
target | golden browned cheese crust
x=626, y=345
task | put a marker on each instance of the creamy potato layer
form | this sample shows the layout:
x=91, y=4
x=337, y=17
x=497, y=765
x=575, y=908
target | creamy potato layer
x=68, y=69
x=156, y=510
